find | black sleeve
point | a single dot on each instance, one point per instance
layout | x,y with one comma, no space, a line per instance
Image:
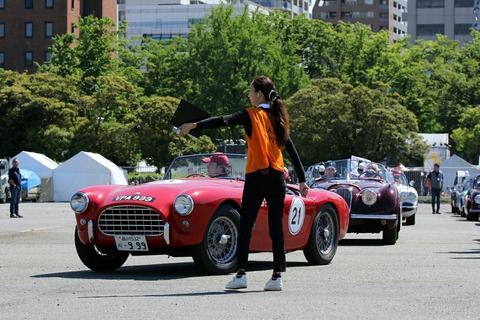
297,163
239,118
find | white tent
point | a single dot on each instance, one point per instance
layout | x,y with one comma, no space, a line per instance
453,164
43,166
83,170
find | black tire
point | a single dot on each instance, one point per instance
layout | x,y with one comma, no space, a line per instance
390,236
472,217
323,241
410,221
99,259
213,256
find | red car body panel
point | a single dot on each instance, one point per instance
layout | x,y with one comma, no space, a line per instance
208,194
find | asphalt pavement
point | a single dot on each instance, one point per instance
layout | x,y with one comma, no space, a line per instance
430,273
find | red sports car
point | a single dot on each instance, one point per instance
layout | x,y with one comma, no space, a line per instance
195,212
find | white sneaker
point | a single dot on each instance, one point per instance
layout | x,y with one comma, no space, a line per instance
274,285
237,283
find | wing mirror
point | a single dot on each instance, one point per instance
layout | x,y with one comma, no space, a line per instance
411,183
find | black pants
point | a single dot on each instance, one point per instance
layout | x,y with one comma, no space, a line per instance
436,198
271,187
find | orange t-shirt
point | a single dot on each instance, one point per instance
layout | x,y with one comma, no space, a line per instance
263,150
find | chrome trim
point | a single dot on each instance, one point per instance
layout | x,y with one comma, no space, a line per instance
373,216
91,236
130,220
166,233
346,194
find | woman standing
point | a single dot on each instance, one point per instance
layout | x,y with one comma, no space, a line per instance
266,128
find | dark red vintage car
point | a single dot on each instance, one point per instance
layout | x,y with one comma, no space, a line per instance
189,213
472,200
372,197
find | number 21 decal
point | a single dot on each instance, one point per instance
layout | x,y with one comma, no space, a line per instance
296,215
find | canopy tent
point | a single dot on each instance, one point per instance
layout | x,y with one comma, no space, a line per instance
83,170
43,167
453,164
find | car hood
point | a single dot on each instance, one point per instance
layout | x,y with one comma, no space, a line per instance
162,192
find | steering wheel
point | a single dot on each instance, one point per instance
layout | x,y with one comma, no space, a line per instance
196,175
373,175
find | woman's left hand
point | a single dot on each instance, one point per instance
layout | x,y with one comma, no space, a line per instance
304,189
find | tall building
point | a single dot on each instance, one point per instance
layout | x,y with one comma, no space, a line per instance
453,18
164,19
27,27
376,14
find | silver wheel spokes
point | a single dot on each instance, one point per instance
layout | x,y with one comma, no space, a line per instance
222,240
324,234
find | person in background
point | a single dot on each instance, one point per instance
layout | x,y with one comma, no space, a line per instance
15,181
218,165
435,178
267,131
330,170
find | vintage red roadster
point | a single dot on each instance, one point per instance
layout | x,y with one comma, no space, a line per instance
191,212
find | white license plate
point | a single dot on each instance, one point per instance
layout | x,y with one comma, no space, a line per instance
131,243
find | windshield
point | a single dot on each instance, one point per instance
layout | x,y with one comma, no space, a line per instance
213,165
348,169
400,178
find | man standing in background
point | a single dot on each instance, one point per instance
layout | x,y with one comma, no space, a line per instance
436,184
15,180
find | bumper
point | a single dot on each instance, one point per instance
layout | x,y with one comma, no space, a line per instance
371,223
408,211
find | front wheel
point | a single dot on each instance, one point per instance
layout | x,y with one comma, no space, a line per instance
217,252
323,241
410,221
99,259
390,236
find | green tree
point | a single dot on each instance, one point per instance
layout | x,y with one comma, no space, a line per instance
158,143
332,120
108,121
38,112
90,55
467,136
214,66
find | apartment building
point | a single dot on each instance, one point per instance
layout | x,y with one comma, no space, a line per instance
453,18
164,19
27,27
376,14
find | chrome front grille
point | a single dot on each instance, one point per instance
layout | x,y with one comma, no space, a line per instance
132,220
346,194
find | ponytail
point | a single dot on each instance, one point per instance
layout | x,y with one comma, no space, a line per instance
280,121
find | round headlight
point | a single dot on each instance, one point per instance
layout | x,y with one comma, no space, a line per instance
404,195
477,199
412,196
79,202
369,197
183,204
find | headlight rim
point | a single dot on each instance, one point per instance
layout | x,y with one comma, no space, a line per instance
477,199
86,202
182,197
373,197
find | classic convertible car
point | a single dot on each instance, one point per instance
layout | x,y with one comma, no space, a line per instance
472,206
368,188
408,197
195,212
